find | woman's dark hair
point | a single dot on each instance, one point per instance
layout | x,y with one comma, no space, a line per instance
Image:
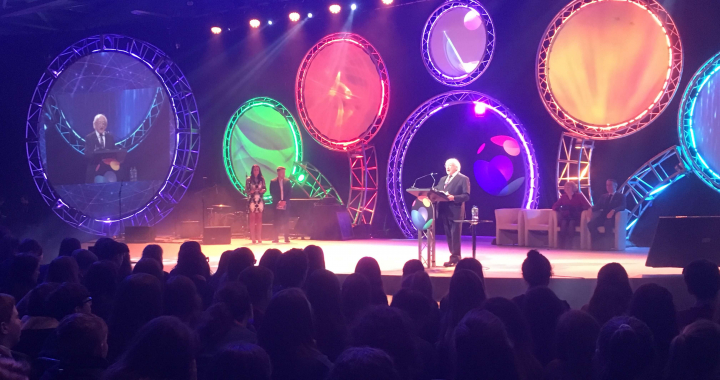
84,259
361,363
21,276
80,336
323,292
125,267
370,268
66,298
702,278
473,265
466,293
270,258
246,360
38,305
291,269
138,300
214,325
242,259
419,282
164,348
153,251
105,249
355,294
482,349
235,296
612,293
695,353
256,178
316,258
625,349
101,281
63,269
68,246
31,247
258,280
386,328
287,326
542,309
536,269
182,299
149,266
411,267
575,339
191,261
653,304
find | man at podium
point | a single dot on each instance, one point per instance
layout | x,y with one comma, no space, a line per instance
99,139
457,188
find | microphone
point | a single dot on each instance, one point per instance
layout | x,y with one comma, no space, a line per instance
421,177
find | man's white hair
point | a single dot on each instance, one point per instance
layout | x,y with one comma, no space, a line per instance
98,117
453,161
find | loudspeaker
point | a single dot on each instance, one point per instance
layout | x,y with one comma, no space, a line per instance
190,229
680,240
216,235
138,234
331,222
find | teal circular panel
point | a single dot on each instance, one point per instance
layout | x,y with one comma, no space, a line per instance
262,132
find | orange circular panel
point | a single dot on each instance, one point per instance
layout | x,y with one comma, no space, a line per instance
607,68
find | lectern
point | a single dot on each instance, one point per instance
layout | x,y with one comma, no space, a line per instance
426,236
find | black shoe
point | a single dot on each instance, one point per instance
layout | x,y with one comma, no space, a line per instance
453,261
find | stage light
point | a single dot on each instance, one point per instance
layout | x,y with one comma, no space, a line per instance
480,108
216,30
335,9
294,16
309,15
353,6
301,177
387,2
269,22
254,23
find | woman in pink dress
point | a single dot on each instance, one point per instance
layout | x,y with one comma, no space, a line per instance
569,209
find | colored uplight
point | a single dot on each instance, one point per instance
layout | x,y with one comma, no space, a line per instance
301,178
334,9
254,23
294,16
480,108
387,2
353,6
216,30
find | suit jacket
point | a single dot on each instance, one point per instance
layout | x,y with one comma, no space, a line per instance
92,143
609,202
275,191
460,188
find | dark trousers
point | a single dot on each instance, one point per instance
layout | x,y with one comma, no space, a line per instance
452,233
599,240
567,230
281,223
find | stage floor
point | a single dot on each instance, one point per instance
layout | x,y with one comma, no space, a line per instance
575,271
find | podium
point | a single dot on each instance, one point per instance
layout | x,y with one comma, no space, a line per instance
103,160
426,237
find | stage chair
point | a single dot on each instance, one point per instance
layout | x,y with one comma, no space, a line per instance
508,223
620,235
540,223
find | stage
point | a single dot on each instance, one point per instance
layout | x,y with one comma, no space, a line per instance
575,271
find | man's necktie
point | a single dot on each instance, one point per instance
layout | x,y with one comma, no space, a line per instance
102,141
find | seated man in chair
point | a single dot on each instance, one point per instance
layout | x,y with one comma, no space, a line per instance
604,213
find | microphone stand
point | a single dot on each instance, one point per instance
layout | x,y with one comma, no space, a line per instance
421,177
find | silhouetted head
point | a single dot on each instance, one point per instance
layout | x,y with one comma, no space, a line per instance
369,267
612,293
695,353
258,280
466,293
387,329
270,258
68,246
38,303
191,261
482,348
84,259
415,305
10,325
702,278
63,269
323,292
155,252
149,266
287,325
361,363
512,317
472,265
237,299
69,298
181,299
108,249
575,338
411,267
542,309
536,269
625,349
316,258
355,295
242,259
81,336
653,304
101,279
31,247
291,269
138,299
419,282
247,359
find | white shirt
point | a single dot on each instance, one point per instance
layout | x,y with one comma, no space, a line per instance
101,139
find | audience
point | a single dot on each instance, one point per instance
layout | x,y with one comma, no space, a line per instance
286,334
58,328
369,267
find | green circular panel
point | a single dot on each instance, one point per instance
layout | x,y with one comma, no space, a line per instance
261,132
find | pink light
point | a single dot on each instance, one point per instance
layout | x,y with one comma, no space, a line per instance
480,108
334,9
294,16
216,30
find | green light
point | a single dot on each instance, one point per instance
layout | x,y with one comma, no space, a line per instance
258,134
301,177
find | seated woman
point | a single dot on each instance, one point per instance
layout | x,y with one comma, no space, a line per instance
569,209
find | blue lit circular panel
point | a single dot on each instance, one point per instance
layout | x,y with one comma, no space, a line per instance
112,134
495,152
458,42
699,125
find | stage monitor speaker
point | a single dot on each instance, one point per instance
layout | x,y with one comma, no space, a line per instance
216,235
139,234
331,222
190,229
679,240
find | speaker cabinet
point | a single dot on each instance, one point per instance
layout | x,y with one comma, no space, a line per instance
680,240
216,235
139,234
331,222
190,229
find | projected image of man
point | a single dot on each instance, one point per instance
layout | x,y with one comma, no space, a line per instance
457,188
99,139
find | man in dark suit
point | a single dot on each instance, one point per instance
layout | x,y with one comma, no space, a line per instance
280,190
100,139
604,212
457,188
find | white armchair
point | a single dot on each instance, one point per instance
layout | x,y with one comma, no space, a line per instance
509,222
538,224
619,237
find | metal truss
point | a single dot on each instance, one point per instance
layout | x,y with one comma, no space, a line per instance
374,127
187,133
650,180
239,183
573,163
489,44
131,142
426,245
363,185
313,183
412,124
609,132
686,129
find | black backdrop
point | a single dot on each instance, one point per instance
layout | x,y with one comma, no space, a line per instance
226,70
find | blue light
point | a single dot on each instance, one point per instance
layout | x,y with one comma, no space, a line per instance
353,6
309,15
630,225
